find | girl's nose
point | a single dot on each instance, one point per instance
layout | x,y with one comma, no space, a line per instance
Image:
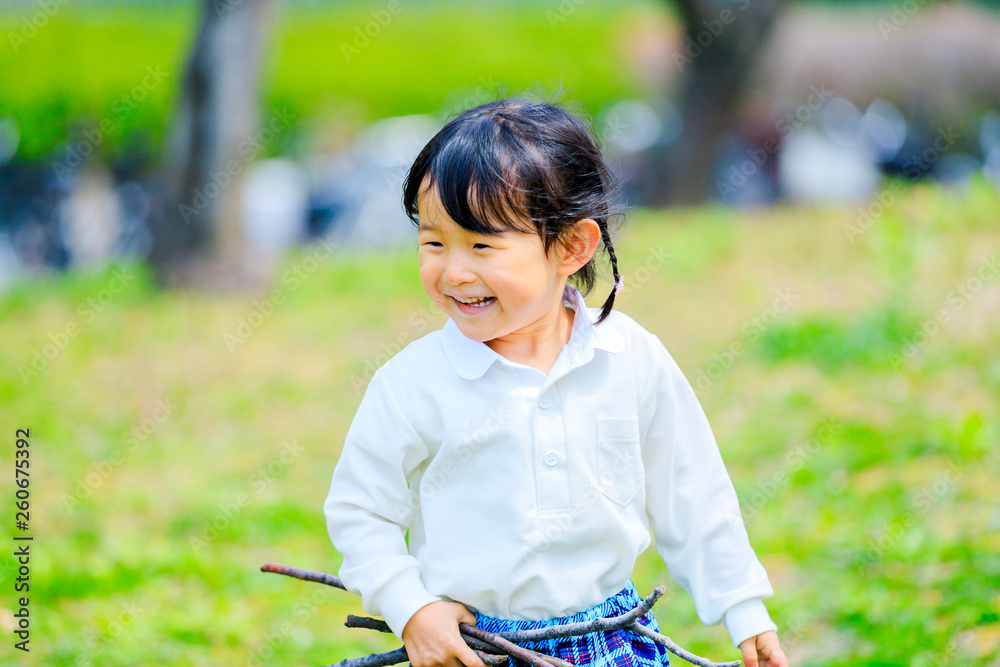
457,271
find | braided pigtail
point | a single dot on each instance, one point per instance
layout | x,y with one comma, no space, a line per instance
610,301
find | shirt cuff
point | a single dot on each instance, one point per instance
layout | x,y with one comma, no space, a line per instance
400,598
748,619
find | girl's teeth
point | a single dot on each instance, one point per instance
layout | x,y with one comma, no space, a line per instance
479,302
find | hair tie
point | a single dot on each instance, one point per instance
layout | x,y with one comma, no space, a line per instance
620,284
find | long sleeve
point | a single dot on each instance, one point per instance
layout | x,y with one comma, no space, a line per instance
692,506
369,508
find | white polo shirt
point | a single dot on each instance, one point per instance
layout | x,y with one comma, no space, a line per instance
530,496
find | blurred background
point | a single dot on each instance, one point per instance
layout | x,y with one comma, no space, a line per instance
203,260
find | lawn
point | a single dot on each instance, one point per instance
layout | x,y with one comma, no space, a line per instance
849,371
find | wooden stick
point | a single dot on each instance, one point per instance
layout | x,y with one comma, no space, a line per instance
375,659
491,658
306,575
511,648
503,640
399,655
585,627
486,647
367,622
551,659
570,629
480,645
677,650
474,642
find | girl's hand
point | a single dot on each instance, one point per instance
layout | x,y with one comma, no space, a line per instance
432,638
762,651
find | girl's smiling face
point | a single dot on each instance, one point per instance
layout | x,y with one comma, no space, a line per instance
522,286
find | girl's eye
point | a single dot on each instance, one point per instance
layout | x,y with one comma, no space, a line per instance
437,244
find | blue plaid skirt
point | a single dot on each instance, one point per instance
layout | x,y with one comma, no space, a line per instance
608,648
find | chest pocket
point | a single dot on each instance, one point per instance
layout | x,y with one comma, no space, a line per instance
619,458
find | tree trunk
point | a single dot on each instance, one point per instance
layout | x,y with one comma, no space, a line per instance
722,40
198,236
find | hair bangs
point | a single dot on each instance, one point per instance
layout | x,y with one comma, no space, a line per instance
476,181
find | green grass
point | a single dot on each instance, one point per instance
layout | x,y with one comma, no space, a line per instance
869,491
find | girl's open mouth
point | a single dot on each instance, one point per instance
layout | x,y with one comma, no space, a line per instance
475,308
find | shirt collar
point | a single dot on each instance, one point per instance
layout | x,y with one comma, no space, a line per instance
471,358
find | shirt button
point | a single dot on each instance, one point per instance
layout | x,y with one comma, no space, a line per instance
551,458
545,401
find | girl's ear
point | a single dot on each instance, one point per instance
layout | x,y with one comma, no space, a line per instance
580,244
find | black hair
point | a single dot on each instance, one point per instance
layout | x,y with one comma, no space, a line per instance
505,162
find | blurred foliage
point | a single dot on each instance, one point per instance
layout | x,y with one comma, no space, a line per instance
170,460
83,64
89,63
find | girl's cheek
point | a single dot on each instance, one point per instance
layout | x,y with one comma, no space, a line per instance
426,279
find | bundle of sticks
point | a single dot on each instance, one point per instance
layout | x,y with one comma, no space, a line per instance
494,648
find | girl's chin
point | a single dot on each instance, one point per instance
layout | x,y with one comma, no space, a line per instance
474,332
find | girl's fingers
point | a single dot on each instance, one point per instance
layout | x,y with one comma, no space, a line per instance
772,650
467,616
472,660
469,657
778,658
749,655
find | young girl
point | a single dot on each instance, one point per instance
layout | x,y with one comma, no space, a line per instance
507,470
